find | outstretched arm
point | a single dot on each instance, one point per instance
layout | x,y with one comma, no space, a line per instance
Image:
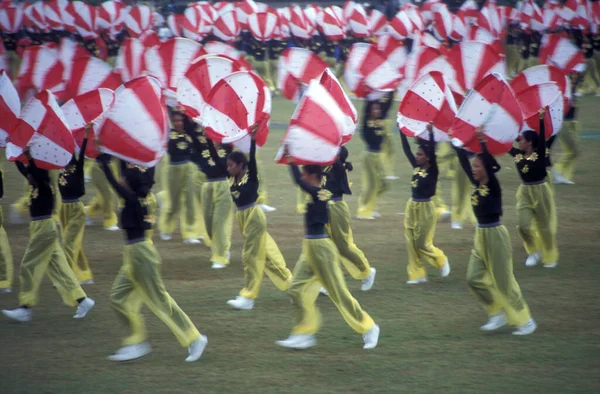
252,169
122,191
541,147
407,151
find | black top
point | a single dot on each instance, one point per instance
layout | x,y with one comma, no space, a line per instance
1,184
71,182
525,40
335,179
485,199
41,197
134,215
372,133
533,168
571,113
257,49
276,47
424,180
179,147
316,216
213,165
534,44
245,192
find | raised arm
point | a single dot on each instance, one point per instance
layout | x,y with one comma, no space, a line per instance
465,163
407,151
81,159
487,159
312,190
219,162
252,170
541,147
431,148
22,168
122,191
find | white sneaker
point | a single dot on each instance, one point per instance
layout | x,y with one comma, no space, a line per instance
89,221
243,303
532,260
456,226
5,291
494,323
445,215
112,228
526,329
15,216
553,265
166,236
324,291
87,178
87,282
196,348
376,215
84,308
445,270
22,315
192,241
371,338
367,284
365,218
267,208
392,178
559,178
218,266
131,352
416,281
298,341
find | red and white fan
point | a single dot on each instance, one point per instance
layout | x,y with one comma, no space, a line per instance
558,51
87,108
195,86
169,61
401,26
89,74
226,27
333,86
234,106
297,67
540,74
111,17
135,129
544,95
58,16
429,99
43,128
175,23
472,61
394,51
84,20
243,10
10,107
314,135
4,60
40,69
492,105
131,61
378,23
68,51
357,19
138,20
263,25
226,50
330,25
368,70
300,26
11,18
194,23
442,24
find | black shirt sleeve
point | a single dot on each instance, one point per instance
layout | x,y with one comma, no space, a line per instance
407,150
252,170
312,190
122,191
463,159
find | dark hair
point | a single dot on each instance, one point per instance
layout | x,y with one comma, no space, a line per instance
344,158
314,169
137,182
238,158
531,136
427,147
495,165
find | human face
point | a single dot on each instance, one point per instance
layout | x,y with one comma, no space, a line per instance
478,170
375,111
524,145
311,179
177,121
234,169
421,158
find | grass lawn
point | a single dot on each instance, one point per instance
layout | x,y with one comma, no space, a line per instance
430,341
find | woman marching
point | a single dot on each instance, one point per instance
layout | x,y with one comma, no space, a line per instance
71,184
6,259
535,200
43,252
420,215
260,252
490,273
335,179
139,280
319,266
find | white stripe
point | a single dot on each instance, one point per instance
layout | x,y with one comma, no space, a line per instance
185,51
501,126
73,115
536,75
43,148
33,113
563,53
304,145
96,72
472,54
155,67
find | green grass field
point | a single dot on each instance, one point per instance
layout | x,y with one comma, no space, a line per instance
430,341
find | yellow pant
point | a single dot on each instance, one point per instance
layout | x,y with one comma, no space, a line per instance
263,68
260,254
44,253
591,79
199,227
262,185
72,221
438,200
180,190
150,203
512,59
387,148
104,202
373,183
461,198
569,139
537,227
526,63
22,203
490,275
139,282
218,206
419,229
340,233
446,159
319,267
6,259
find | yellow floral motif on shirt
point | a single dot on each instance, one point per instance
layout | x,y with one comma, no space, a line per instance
474,200
525,169
518,158
211,162
34,193
414,183
202,140
182,145
420,172
206,154
236,194
533,157
242,181
136,167
222,153
324,195
174,135
149,219
483,190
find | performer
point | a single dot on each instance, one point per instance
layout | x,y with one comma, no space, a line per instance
104,202
569,139
71,185
372,176
319,266
420,215
179,176
216,198
139,279
490,273
6,259
260,252
461,200
44,253
535,200
335,179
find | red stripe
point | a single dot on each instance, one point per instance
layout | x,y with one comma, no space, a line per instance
145,92
315,119
77,72
225,99
416,107
119,141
